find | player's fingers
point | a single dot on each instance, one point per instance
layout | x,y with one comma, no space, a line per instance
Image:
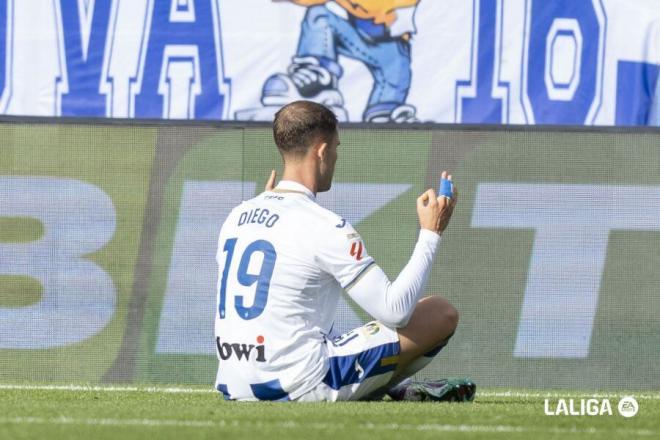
454,197
427,199
433,199
421,200
270,184
443,204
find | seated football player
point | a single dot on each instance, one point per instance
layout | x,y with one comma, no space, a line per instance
283,263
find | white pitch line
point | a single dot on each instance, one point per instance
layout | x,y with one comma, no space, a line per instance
108,422
108,388
184,390
567,395
504,429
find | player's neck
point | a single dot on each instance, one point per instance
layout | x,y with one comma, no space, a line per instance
302,176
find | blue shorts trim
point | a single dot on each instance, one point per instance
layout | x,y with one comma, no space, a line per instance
271,390
223,389
354,368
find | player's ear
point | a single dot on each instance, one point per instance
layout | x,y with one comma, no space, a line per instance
321,150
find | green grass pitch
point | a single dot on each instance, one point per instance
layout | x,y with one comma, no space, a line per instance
70,412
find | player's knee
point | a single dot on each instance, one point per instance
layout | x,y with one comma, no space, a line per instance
446,315
451,316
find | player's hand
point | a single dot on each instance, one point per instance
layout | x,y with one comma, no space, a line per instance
270,184
435,212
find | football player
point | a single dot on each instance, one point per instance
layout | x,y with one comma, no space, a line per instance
283,263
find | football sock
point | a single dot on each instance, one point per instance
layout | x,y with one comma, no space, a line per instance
419,363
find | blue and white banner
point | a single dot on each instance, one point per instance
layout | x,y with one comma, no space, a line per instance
577,62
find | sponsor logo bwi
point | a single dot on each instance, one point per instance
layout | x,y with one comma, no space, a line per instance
227,350
627,407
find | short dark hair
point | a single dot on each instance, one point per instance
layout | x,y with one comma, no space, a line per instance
299,124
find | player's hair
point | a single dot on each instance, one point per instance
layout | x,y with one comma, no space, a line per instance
298,125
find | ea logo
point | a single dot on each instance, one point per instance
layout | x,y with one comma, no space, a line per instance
628,406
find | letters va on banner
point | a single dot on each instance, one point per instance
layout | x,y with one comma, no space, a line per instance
577,62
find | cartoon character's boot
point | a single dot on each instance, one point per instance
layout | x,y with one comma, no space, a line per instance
306,79
401,114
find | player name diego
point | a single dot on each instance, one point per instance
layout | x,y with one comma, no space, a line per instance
259,216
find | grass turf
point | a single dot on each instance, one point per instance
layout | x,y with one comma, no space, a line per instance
132,413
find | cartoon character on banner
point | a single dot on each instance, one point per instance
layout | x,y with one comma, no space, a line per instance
374,32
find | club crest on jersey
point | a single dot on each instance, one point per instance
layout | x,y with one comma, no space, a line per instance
241,351
371,328
356,250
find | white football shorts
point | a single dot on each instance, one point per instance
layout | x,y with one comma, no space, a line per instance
362,361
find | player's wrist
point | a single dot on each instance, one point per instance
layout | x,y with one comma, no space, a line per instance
429,236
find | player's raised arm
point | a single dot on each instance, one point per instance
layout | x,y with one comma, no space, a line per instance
393,302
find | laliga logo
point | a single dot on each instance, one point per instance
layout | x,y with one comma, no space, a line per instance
627,407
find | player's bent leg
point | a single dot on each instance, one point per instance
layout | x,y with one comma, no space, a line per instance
431,326
360,362
366,362
432,323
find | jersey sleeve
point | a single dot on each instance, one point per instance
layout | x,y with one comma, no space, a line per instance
342,253
393,303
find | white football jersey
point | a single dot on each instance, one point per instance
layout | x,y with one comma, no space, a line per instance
283,262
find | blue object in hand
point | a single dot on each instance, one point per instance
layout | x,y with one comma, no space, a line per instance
446,188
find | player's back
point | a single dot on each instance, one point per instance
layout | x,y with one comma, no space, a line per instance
275,303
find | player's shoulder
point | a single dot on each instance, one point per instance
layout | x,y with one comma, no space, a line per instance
336,238
328,219
238,210
332,228
306,208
